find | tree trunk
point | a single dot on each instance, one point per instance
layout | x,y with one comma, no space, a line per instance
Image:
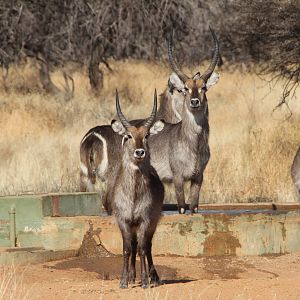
46,81
95,74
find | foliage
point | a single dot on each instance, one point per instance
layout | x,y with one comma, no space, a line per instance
85,32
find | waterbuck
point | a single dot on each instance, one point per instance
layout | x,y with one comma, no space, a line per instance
296,171
137,197
99,155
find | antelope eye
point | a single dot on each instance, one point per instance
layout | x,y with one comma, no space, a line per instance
147,135
183,91
128,136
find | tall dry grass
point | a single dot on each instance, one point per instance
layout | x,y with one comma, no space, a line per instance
252,149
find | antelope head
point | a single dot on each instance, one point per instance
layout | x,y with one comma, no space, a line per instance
193,89
135,138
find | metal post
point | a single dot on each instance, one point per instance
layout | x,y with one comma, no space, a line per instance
12,226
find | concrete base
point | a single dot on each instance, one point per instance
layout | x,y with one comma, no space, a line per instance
231,233
32,211
44,222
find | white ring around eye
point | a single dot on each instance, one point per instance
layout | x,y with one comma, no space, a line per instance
190,91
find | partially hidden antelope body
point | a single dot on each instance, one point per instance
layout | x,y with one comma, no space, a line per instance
137,196
296,171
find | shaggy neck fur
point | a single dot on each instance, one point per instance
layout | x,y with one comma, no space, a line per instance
194,123
195,129
136,176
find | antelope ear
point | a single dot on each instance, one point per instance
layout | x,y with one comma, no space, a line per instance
176,82
118,127
157,127
212,80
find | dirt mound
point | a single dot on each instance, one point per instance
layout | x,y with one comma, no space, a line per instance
91,245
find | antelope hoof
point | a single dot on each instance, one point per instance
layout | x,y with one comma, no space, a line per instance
123,284
145,285
181,210
154,279
194,210
145,282
131,278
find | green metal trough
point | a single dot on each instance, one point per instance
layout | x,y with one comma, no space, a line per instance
53,226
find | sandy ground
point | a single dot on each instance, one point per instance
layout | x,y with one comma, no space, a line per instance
267,277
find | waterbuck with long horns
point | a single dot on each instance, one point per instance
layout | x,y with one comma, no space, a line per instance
137,197
296,171
99,155
181,151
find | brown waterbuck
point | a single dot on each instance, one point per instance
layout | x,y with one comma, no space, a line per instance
296,171
181,152
99,155
137,197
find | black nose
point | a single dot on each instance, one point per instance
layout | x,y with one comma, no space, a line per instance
195,102
139,153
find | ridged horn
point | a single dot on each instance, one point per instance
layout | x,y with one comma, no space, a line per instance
151,119
122,118
205,76
172,61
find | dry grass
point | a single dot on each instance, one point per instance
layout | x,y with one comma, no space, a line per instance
252,149
11,284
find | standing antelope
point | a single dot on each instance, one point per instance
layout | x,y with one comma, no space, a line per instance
137,196
99,155
181,152
296,171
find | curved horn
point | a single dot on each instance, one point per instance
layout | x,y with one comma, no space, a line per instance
122,118
172,61
205,76
151,119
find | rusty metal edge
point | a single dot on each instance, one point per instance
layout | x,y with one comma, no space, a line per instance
55,206
240,206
